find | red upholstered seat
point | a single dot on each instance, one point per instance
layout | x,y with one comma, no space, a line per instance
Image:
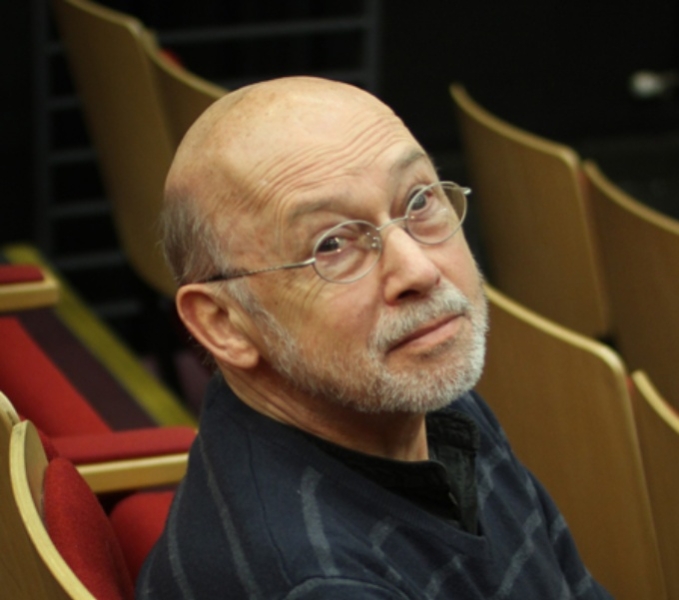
138,521
73,430
41,393
20,274
39,390
82,533
121,445
106,553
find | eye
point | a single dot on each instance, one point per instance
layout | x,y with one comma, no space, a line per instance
338,239
421,200
418,201
331,243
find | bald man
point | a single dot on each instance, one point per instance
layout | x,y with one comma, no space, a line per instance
341,454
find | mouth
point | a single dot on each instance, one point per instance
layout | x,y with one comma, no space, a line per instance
431,334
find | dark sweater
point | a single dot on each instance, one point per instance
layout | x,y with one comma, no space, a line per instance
266,513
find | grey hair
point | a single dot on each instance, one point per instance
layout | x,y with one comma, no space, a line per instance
190,242
194,249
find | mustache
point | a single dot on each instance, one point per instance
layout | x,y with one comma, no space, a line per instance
393,327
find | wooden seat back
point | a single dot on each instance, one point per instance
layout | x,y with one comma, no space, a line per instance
533,219
563,400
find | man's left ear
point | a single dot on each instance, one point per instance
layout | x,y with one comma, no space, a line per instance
216,321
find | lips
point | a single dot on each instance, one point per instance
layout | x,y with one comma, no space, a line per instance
431,333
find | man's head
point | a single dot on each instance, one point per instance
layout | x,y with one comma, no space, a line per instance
261,176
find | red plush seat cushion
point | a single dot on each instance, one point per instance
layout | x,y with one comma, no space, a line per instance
20,274
138,521
78,526
122,445
38,389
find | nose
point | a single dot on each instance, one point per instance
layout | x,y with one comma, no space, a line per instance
406,267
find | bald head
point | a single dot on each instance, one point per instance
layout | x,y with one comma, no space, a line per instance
255,142
250,126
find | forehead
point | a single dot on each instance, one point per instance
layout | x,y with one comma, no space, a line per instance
283,150
280,138
362,150
411,159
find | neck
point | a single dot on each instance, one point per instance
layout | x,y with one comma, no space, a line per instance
397,436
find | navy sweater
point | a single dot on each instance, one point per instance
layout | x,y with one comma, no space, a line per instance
265,513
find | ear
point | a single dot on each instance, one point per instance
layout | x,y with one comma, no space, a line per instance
216,321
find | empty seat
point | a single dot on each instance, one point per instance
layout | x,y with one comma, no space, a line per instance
640,251
563,400
534,222
658,426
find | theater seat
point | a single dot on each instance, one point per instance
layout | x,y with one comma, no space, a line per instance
41,393
138,521
25,286
63,545
82,534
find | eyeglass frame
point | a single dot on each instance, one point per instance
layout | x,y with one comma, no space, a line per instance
312,261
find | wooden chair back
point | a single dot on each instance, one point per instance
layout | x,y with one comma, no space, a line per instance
35,568
533,219
30,566
127,124
640,252
10,527
658,427
184,95
563,400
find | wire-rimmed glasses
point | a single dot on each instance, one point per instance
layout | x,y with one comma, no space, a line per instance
351,249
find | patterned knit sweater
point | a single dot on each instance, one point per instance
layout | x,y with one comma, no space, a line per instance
264,513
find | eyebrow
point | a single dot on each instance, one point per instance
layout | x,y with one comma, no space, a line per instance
415,155
401,165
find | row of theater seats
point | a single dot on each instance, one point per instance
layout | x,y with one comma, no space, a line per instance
59,455
138,103
59,543
573,262
83,496
601,439
564,240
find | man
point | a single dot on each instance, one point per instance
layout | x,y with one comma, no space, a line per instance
341,453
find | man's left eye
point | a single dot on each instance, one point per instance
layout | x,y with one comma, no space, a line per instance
418,201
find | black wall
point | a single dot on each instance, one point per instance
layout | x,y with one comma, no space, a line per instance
557,68
15,122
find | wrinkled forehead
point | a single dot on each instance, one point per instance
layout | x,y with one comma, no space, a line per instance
301,127
307,138
280,139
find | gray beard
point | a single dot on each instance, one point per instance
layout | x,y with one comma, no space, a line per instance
362,381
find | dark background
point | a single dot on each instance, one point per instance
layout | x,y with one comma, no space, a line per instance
556,68
559,69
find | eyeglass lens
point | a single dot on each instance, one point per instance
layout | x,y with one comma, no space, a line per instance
350,250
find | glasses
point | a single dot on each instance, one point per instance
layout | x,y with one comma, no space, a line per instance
351,249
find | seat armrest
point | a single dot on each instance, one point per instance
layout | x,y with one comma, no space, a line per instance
124,445
128,460
26,286
135,473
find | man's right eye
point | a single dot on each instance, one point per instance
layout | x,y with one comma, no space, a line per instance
333,243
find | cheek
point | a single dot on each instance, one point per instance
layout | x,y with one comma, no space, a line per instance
344,317
458,266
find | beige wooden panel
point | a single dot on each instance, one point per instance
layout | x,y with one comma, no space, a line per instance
33,568
127,124
534,220
658,425
564,403
640,251
184,95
